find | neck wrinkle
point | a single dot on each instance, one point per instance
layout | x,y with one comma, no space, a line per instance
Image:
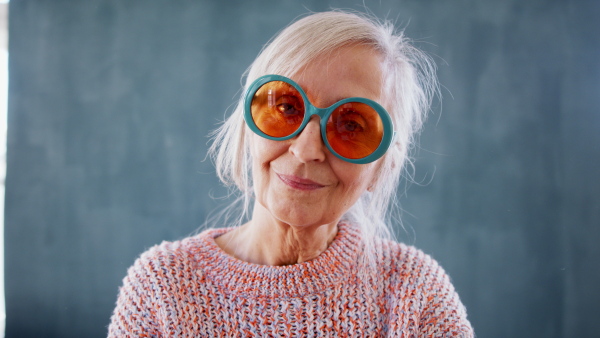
335,265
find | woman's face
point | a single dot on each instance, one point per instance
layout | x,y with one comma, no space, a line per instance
299,181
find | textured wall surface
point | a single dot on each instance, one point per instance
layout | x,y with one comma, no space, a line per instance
110,103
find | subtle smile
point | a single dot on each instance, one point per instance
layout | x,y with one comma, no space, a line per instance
299,183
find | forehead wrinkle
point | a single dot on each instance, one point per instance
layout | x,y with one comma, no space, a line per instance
371,95
366,91
357,82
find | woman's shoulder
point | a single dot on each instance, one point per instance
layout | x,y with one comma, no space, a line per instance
407,265
175,257
186,245
405,257
156,282
415,278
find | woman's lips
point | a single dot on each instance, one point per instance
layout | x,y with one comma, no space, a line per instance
299,183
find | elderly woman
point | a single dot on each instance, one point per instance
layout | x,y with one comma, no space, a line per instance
318,143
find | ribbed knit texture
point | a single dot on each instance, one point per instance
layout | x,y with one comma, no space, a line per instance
191,288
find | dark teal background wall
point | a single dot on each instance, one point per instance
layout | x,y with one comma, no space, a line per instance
110,103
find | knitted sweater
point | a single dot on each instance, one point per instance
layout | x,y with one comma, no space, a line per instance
191,288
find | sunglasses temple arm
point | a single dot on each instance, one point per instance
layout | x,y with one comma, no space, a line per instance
394,135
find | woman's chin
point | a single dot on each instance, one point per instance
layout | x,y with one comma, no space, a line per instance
281,213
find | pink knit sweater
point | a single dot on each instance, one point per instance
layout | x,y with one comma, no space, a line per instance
191,288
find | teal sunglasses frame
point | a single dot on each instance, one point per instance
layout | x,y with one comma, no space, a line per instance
323,113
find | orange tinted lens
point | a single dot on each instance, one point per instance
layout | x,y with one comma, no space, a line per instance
277,109
354,130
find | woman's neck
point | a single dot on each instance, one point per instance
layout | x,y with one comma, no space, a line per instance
267,241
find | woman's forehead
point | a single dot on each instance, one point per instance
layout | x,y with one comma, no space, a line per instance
353,71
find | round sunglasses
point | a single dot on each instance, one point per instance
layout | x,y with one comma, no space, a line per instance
356,129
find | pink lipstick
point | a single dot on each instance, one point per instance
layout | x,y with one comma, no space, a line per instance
299,183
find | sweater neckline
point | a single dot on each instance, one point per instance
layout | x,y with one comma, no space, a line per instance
335,264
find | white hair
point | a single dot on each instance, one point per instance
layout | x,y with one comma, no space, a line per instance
408,86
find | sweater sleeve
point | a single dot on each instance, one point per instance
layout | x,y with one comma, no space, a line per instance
137,305
443,314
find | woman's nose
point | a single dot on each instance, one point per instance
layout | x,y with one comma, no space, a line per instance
308,146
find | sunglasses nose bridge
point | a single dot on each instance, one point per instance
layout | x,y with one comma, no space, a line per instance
321,113
312,110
